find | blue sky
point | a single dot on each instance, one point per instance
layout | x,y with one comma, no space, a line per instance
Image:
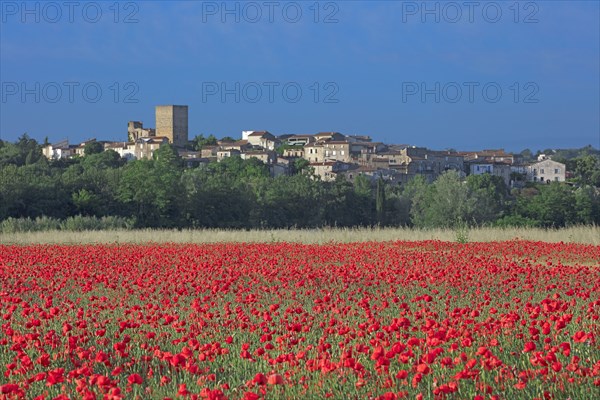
528,75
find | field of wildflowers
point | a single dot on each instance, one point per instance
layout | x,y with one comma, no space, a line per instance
388,320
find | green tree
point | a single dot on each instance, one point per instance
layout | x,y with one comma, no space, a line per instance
200,141
411,199
339,203
380,201
552,206
294,201
364,200
151,193
216,199
490,195
527,155
93,147
102,160
24,151
587,205
85,202
167,157
301,165
31,191
587,170
447,203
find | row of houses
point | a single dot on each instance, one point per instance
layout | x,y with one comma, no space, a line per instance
331,155
141,148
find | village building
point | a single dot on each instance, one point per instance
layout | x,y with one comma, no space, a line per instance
328,171
267,157
293,151
124,149
314,152
336,150
57,151
209,151
222,154
546,171
136,130
262,139
503,170
145,147
239,145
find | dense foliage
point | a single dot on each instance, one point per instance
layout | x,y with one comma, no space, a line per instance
504,320
238,193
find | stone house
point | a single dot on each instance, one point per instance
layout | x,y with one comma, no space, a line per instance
146,146
294,152
125,149
328,170
267,157
314,152
239,145
209,151
263,139
546,171
496,156
336,150
221,154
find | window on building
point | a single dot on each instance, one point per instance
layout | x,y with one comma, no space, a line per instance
556,178
342,152
334,152
556,171
541,170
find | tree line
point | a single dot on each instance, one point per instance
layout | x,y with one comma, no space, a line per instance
241,194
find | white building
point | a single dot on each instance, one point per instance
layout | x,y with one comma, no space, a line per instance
125,149
546,171
262,139
58,150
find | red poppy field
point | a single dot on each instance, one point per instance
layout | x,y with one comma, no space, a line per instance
388,320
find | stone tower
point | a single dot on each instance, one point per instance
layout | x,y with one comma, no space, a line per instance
172,122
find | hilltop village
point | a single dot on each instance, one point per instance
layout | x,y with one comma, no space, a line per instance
329,154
